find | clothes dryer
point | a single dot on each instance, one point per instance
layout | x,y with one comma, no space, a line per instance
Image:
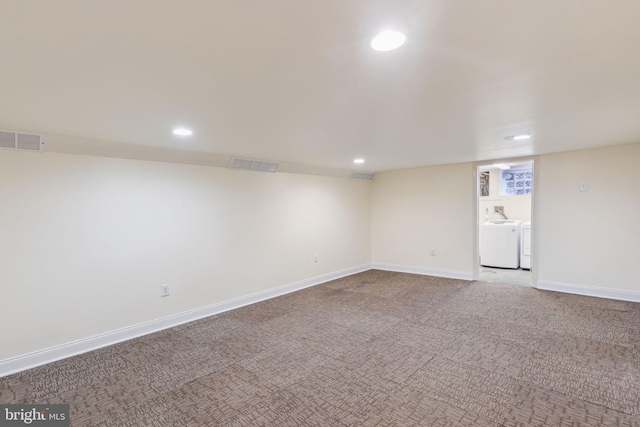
525,245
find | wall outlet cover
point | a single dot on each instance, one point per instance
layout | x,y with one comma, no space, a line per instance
164,290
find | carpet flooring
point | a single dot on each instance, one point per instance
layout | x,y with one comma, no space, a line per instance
373,349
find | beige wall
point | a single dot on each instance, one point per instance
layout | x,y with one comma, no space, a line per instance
416,210
590,238
85,242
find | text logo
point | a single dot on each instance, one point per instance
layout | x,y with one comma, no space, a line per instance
34,415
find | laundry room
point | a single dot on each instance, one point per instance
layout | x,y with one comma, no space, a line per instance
504,221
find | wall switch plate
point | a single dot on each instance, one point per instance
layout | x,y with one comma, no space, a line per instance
164,290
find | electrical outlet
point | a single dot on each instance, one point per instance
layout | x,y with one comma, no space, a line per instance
498,209
164,290
433,252
315,258
584,186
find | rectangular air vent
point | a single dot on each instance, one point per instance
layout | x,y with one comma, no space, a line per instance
21,141
252,165
362,175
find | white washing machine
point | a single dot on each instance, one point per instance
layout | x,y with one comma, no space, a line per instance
500,244
525,245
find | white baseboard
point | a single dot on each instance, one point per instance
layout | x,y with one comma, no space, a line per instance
63,351
451,274
592,291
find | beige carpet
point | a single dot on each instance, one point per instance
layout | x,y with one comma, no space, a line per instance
373,349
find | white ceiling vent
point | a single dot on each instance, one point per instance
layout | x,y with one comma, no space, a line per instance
252,165
362,175
21,141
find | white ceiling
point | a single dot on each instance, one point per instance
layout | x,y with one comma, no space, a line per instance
296,81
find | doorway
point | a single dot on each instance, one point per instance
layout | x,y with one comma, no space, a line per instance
503,221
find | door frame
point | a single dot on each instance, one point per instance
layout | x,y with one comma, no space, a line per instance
534,215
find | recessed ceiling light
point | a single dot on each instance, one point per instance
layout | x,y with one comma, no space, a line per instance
358,161
517,137
502,166
182,132
388,40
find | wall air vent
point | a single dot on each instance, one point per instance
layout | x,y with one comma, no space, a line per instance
362,175
252,165
21,141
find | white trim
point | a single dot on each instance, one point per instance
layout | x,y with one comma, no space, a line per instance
463,275
63,351
592,291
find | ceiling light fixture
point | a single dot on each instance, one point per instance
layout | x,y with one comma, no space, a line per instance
358,161
388,40
182,132
517,137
